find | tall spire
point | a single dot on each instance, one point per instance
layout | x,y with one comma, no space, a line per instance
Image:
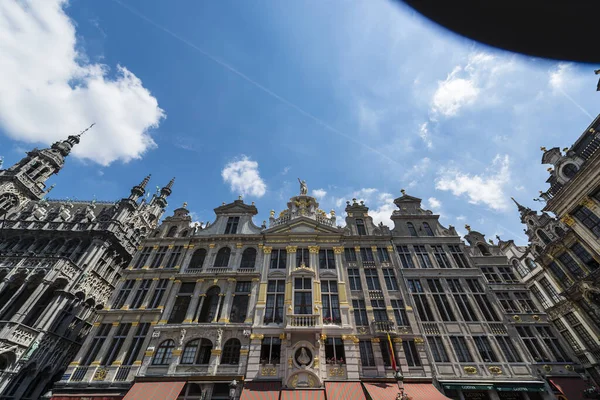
166,191
139,190
66,146
519,207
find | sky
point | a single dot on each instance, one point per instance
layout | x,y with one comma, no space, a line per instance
360,98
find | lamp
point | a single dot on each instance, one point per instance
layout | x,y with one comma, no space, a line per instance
400,381
232,389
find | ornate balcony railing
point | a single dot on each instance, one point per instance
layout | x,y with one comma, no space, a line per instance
383,326
79,374
304,320
246,270
376,294
218,270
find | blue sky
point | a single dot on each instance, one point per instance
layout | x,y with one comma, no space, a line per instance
359,98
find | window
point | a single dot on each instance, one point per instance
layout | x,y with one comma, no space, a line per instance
96,344
540,297
491,275
550,290
330,302
559,275
390,279
136,345
275,295
525,302
231,352
334,351
197,259
423,257
507,303
172,231
383,254
360,313
508,349
350,254
354,277
411,229
248,258
278,259
462,300
159,292
440,256
485,350
523,271
326,259
584,256
482,301
222,259
372,279
438,350
270,350
302,256
210,311
191,355
239,307
232,225
367,359
140,293
182,303
507,275
569,170
384,346
589,219
379,311
423,309
360,227
204,352
366,254
164,353
458,256
159,257
581,330
571,264
302,296
460,348
174,257
427,229
405,257
562,328
400,312
123,294
144,254
410,351
552,343
116,344
530,264
441,300
542,235
532,343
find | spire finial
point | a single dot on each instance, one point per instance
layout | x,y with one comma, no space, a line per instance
170,184
519,206
468,227
542,148
403,192
86,129
145,181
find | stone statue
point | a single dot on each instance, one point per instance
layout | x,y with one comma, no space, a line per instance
31,350
303,358
181,337
303,188
219,337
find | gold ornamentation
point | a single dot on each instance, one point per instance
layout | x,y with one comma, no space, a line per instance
316,362
100,374
547,368
390,249
336,371
569,367
176,352
357,249
258,336
516,317
568,220
419,340
323,337
170,246
294,380
290,362
291,249
272,214
375,340
313,249
495,370
216,352
211,246
268,371
267,249
338,249
468,227
374,248
397,340
350,214
536,317
312,382
239,245
589,203
244,352
470,370
282,336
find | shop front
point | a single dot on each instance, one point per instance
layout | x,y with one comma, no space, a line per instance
494,391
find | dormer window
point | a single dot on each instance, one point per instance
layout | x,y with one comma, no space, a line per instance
232,225
569,170
360,227
428,229
542,235
172,231
411,229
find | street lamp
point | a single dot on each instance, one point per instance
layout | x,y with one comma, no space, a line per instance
400,380
232,389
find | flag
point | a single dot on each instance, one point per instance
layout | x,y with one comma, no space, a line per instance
392,355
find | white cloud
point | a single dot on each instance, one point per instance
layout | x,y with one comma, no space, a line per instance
425,136
558,77
48,88
319,193
454,93
381,204
434,203
485,188
244,178
461,218
418,170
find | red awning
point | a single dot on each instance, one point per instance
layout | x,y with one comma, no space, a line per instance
154,391
572,388
261,391
80,397
302,394
416,391
344,391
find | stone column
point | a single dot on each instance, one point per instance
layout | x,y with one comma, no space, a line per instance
216,318
186,256
199,308
378,356
227,303
209,261
236,257
352,354
314,264
170,301
191,311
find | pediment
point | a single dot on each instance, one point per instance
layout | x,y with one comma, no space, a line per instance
303,225
407,199
237,207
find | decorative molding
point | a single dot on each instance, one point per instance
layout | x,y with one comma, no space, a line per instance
239,245
375,340
390,249
338,249
268,371
589,203
313,249
470,370
419,340
495,370
212,245
568,220
536,317
216,352
267,249
100,374
257,336
336,372
547,368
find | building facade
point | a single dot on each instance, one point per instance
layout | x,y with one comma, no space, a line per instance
304,307
59,263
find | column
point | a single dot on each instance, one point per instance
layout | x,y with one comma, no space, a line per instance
216,319
209,262
53,310
199,309
236,256
30,302
186,256
252,301
378,356
314,264
343,290
86,345
228,301
170,302
191,311
352,354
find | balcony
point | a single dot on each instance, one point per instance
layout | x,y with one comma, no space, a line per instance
383,327
376,294
17,333
247,271
218,270
304,320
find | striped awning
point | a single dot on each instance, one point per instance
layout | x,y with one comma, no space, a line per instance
415,391
571,388
302,394
261,391
154,391
344,391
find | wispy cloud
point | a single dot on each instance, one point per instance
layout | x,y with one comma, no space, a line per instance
243,177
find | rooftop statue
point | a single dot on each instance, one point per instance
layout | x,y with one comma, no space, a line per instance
303,188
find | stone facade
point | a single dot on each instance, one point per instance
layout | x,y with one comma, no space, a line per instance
59,263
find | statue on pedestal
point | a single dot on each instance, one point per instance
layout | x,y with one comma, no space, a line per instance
303,187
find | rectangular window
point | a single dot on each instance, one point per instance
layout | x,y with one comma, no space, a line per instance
589,219
275,296
462,300
116,344
559,275
540,297
581,331
136,344
491,275
360,313
330,302
379,311
410,351
159,257
270,350
440,256
438,350
508,349
508,275
350,254
182,303
423,257
525,302
326,259
532,344
552,343
460,348
485,350
441,300
482,301
584,256
562,328
384,347
141,293
143,257
232,225
383,254
278,259
334,351
302,257
571,265
509,305
239,307
96,344
423,308
367,359
366,254
458,256
400,312
303,296
354,278
550,290
405,257
158,294
372,279
360,227
123,294
174,257
390,279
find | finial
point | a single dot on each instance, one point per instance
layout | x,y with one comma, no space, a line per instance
86,129
403,192
541,192
332,212
252,203
1,161
170,184
491,241
592,130
185,204
50,188
362,202
347,202
542,148
240,197
519,207
272,214
468,227
549,169
223,204
145,181
566,149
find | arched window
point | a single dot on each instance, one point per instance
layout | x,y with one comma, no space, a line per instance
231,352
8,201
209,308
197,351
538,249
542,235
521,269
184,233
360,227
39,245
25,244
172,231
569,170
560,232
55,246
483,249
248,258
531,264
428,229
411,229
164,353
197,259
222,259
